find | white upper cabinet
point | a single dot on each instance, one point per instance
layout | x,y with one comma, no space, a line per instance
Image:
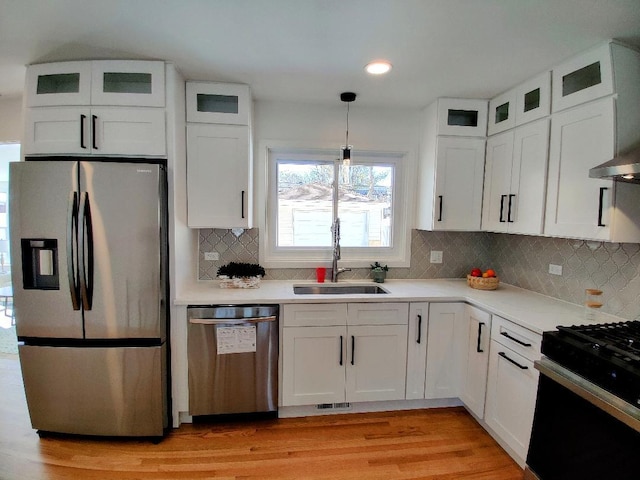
100,107
525,103
64,83
583,78
502,113
127,83
219,155
461,117
583,207
98,82
533,99
515,180
224,103
219,181
128,131
451,171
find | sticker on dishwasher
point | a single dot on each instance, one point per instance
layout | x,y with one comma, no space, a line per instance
236,339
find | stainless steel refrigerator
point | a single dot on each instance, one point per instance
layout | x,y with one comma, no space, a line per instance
89,271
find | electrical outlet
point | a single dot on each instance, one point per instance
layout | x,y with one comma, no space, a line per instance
555,269
211,256
436,256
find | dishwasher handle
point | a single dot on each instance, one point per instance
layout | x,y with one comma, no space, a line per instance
231,321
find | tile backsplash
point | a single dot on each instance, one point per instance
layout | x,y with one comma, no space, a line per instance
519,260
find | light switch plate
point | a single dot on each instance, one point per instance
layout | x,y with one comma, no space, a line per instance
436,256
211,256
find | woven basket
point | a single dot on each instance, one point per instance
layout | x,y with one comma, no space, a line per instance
481,283
239,282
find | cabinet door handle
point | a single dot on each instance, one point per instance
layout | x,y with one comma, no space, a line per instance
600,205
82,119
440,209
504,355
341,350
505,334
509,219
502,197
94,119
478,349
353,350
419,328
242,205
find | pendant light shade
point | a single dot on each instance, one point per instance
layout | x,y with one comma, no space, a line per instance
347,97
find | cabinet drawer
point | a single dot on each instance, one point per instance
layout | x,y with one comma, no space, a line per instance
314,315
519,339
378,314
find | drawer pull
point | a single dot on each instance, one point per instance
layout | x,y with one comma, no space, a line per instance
504,355
520,342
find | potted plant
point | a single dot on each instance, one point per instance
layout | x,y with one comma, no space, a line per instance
240,275
379,272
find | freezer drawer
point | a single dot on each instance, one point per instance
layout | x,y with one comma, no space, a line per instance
112,391
233,363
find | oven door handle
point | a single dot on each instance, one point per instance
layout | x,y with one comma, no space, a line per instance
600,398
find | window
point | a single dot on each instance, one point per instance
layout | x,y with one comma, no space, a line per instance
303,204
9,152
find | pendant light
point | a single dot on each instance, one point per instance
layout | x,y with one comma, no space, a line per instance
347,97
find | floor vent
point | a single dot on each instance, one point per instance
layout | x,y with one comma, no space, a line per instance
333,406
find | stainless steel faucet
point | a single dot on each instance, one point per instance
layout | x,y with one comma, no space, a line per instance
335,271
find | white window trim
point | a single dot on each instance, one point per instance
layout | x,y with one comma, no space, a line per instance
305,257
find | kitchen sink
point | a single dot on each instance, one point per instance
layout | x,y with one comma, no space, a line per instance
338,289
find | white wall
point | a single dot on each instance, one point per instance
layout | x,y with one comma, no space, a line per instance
11,119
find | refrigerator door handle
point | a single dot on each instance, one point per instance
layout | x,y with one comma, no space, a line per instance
85,254
72,229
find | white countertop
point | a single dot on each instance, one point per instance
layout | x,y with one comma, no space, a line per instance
531,310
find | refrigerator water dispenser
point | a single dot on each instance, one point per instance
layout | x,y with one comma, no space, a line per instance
40,264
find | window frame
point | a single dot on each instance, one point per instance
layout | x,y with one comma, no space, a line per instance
398,255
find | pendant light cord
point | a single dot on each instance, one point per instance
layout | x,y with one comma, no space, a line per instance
347,136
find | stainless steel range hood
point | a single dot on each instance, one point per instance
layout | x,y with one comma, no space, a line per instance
624,168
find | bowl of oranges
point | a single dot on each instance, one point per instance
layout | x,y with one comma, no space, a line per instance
487,280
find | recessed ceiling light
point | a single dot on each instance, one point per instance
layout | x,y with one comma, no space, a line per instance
378,67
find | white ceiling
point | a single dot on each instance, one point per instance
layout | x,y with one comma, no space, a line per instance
311,50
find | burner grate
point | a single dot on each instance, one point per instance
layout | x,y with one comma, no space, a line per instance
621,339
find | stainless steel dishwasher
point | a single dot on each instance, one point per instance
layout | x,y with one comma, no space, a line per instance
233,359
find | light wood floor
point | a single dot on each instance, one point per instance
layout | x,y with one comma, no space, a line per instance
442,444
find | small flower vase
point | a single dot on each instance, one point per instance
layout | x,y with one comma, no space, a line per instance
378,275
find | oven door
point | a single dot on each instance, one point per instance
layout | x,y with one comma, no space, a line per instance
581,431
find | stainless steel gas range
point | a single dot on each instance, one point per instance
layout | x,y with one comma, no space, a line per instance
587,420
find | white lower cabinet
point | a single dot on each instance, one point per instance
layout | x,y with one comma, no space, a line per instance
362,357
417,349
447,326
512,385
475,361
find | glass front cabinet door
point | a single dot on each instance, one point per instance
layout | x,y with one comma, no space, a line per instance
64,83
533,99
502,112
99,82
223,103
462,117
583,78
